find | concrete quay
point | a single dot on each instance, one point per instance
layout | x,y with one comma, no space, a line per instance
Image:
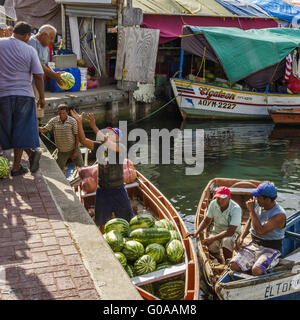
50,248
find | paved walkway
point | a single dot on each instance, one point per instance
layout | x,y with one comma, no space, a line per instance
38,258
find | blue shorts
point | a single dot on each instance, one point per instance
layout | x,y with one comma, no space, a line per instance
109,201
18,123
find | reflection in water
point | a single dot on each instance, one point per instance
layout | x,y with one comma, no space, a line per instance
232,150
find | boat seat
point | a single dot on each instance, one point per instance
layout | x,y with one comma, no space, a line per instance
238,190
292,235
155,276
127,186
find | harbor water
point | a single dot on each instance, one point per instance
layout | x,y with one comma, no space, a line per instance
256,151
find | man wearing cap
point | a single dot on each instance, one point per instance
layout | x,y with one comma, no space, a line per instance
267,226
111,195
227,216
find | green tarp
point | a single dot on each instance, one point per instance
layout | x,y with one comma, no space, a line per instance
244,52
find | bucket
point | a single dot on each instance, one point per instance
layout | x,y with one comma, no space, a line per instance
83,75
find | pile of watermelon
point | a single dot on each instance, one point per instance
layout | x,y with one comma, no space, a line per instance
145,245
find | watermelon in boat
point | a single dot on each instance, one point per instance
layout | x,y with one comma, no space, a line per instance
152,268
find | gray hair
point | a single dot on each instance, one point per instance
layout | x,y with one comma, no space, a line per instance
47,28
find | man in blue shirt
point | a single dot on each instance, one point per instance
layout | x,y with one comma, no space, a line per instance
41,42
267,226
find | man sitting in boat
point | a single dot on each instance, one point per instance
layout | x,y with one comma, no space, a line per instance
267,226
111,195
227,216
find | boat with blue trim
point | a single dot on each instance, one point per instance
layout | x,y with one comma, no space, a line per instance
218,281
252,61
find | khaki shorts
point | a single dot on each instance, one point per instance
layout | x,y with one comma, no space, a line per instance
228,243
39,112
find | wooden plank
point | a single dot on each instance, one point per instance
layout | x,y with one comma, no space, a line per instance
136,56
132,17
159,275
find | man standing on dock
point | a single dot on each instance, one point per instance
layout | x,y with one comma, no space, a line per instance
18,129
227,217
66,137
41,42
111,195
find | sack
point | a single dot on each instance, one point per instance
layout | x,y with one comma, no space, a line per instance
129,171
88,176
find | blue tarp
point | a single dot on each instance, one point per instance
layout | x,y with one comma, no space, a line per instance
243,9
278,9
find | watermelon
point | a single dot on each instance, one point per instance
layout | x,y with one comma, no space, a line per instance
145,264
159,224
175,251
171,290
115,240
150,235
143,220
129,269
163,265
68,80
4,167
133,250
174,235
167,224
118,224
122,259
156,251
149,288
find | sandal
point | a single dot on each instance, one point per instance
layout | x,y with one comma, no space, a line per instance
19,172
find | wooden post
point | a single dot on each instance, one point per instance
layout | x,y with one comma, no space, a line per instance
132,105
114,112
147,109
63,23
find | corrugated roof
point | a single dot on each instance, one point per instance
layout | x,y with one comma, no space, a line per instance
193,7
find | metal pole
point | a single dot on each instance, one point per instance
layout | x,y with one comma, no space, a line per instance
181,63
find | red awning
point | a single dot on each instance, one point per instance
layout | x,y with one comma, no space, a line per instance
171,26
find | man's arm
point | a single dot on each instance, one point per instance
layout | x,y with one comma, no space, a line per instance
203,225
93,123
88,143
224,234
75,153
82,138
43,129
49,73
277,221
39,83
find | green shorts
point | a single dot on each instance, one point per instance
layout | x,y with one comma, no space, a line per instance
63,157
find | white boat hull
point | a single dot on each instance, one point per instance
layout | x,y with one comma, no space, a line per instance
201,100
286,287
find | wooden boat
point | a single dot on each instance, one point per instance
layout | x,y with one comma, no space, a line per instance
199,100
240,193
156,203
217,98
229,285
280,283
285,116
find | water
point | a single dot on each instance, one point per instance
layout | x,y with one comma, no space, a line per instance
258,151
